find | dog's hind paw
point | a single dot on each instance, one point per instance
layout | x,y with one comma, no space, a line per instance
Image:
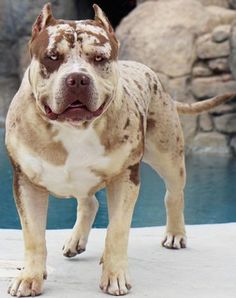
173,241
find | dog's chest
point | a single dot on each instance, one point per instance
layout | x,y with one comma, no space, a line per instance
85,157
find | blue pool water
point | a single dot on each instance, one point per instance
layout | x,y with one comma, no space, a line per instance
210,196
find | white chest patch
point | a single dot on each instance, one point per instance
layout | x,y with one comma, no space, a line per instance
76,177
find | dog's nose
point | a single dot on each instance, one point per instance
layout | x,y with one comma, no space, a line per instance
77,80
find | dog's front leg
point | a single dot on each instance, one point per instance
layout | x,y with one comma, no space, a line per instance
32,203
122,194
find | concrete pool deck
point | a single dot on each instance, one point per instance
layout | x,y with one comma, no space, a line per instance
207,268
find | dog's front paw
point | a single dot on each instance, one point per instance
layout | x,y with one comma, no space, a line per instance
174,241
26,284
115,282
74,246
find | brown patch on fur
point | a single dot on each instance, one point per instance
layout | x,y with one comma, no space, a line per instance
134,174
37,128
163,145
126,90
111,37
102,39
141,128
151,123
127,123
147,75
138,85
38,46
165,104
155,88
16,186
69,37
49,150
111,136
137,152
52,65
181,172
181,151
38,49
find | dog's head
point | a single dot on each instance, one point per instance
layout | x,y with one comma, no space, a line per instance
73,70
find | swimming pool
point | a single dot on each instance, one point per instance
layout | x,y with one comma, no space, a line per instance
210,196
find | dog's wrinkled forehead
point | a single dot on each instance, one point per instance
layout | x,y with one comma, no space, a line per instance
86,35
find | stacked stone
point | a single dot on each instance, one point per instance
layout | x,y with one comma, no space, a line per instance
211,76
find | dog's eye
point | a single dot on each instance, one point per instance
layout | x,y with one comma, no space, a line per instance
53,57
99,58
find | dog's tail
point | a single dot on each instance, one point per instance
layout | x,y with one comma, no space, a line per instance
203,106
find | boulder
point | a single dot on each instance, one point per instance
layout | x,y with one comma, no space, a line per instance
162,34
223,109
232,4
212,143
219,65
226,123
164,79
220,15
201,69
205,122
232,57
208,87
207,49
178,89
221,33
222,3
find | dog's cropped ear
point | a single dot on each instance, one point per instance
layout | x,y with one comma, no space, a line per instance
102,19
43,20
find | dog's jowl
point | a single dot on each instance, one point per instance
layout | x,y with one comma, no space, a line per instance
83,120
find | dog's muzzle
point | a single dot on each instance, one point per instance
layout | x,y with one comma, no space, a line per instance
76,104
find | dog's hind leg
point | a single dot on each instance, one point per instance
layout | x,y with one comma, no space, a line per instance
32,203
86,212
173,174
164,152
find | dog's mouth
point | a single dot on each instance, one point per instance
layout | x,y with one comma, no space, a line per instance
76,111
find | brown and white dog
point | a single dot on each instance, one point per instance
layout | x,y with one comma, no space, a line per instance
80,121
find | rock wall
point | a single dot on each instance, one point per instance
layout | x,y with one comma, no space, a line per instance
192,47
